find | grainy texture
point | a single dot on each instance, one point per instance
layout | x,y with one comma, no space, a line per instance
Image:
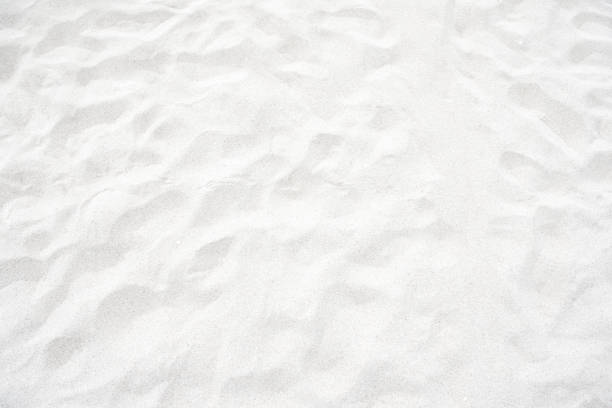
290,203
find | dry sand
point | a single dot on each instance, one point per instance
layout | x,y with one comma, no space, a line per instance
306,203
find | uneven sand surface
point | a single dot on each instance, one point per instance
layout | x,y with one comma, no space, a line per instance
290,203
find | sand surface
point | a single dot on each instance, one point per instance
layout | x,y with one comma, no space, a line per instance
306,203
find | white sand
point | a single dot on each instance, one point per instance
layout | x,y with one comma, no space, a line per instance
306,203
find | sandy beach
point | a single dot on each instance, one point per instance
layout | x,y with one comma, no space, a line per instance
284,203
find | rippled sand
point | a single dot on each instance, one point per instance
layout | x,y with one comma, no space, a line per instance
289,203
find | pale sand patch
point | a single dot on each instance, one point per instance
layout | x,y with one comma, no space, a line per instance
283,203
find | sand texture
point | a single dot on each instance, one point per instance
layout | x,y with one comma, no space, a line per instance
305,203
